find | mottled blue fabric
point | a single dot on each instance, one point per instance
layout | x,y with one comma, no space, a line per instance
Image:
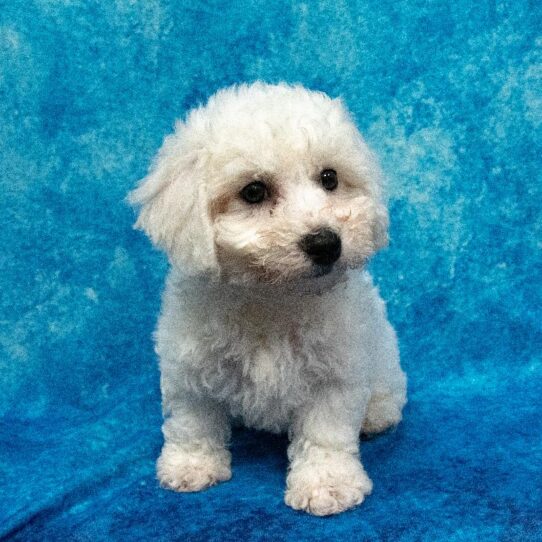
449,95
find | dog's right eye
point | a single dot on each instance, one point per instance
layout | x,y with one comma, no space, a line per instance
255,192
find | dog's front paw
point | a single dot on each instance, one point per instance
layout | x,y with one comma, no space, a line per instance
327,487
183,470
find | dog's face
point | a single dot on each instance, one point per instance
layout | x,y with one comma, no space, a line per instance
265,184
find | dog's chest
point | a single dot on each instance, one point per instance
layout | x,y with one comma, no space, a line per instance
269,365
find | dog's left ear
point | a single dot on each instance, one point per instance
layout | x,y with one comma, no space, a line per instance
380,226
366,164
373,173
174,209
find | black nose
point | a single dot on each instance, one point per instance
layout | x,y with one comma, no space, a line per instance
323,246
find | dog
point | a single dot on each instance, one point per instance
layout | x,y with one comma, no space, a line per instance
268,204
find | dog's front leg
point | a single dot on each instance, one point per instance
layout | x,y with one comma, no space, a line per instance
326,475
194,455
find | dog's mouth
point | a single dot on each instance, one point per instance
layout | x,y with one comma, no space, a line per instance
319,270
315,272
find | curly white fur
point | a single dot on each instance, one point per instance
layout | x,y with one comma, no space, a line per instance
250,329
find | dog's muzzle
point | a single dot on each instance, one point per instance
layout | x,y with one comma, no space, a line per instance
322,246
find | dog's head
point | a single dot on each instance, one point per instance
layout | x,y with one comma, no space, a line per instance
265,183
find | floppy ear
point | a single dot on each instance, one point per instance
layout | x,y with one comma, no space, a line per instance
376,188
174,208
380,226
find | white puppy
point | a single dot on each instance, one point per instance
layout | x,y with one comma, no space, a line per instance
264,199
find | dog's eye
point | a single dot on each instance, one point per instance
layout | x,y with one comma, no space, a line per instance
255,192
329,180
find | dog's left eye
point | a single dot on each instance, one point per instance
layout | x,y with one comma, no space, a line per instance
329,180
255,192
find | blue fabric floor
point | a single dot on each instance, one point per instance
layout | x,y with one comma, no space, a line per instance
450,96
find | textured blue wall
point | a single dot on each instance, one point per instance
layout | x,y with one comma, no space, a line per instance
448,93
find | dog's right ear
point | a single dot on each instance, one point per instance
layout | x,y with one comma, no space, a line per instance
173,209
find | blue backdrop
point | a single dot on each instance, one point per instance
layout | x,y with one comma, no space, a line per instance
449,95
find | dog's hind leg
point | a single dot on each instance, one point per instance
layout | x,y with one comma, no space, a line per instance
388,381
383,412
